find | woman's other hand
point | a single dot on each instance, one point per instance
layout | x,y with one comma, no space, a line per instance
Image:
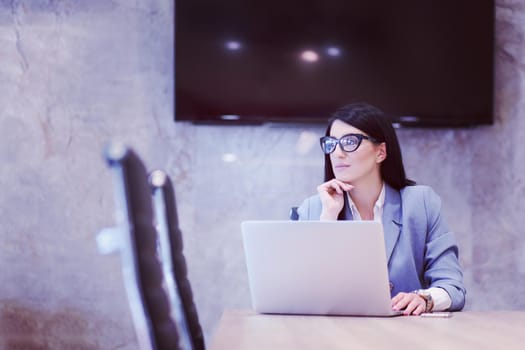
410,303
332,198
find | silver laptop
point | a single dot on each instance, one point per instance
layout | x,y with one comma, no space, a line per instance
317,267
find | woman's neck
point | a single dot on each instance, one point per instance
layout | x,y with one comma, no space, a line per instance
365,196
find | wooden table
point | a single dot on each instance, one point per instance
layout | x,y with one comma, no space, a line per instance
500,330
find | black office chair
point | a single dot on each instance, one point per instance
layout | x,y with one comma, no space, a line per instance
173,261
136,239
294,215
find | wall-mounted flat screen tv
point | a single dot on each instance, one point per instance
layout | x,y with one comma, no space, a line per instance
423,62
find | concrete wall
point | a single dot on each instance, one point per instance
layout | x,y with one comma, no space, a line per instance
75,74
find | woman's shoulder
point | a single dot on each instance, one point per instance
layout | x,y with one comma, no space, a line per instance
420,193
310,208
418,190
313,200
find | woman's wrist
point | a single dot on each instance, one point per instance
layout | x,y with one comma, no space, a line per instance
327,216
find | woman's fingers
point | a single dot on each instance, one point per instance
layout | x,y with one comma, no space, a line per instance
410,303
334,186
331,194
415,307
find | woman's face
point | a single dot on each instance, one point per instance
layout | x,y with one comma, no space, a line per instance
361,164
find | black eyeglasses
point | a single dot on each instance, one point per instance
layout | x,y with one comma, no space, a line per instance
348,142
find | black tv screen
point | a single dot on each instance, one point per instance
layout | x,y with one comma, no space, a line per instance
423,62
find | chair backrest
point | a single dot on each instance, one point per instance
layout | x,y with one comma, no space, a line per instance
174,262
294,215
136,239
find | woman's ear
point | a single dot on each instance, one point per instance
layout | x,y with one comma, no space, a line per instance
381,152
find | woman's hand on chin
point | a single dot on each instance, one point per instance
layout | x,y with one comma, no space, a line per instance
332,198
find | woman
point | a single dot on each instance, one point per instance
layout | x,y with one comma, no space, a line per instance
365,180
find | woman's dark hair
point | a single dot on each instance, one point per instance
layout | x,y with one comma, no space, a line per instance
373,122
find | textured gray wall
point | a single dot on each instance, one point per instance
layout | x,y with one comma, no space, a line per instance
75,74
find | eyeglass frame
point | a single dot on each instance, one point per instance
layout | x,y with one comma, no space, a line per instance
360,138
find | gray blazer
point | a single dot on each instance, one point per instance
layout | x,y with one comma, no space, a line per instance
421,251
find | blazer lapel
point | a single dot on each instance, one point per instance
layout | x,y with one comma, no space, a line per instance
391,219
